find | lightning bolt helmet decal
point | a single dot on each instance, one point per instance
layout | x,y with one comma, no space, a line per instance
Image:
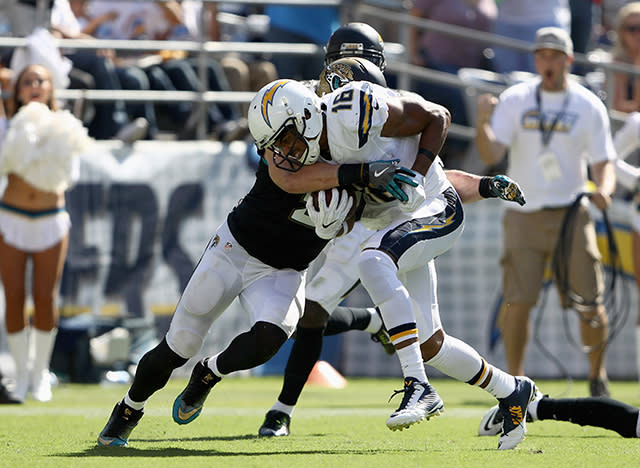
267,99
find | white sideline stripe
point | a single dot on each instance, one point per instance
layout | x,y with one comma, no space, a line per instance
25,410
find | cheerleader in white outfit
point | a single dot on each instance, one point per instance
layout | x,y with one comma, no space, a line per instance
39,156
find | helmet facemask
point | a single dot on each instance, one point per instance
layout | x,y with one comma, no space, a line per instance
291,150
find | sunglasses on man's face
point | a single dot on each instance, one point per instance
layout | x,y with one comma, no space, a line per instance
632,29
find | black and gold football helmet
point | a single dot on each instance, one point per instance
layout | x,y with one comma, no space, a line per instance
342,71
356,40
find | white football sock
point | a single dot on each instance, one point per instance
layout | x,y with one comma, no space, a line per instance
460,361
212,364
375,323
409,356
279,406
136,405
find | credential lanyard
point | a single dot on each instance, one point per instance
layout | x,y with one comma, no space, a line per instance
547,132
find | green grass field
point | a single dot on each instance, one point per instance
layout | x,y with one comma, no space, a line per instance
330,428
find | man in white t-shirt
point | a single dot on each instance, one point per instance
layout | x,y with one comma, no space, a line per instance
553,128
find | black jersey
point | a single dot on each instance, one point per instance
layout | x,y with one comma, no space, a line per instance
273,225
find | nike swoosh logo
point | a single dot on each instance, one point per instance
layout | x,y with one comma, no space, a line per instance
379,173
489,424
184,415
103,441
330,224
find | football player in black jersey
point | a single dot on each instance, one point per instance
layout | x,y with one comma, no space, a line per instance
258,255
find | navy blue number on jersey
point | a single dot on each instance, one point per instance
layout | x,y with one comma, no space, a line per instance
344,101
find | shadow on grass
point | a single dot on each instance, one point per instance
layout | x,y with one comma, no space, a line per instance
164,452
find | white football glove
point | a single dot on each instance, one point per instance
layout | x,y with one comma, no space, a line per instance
329,219
415,194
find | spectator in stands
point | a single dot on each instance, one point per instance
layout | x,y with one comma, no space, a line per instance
626,89
448,54
110,119
128,24
609,10
301,25
39,155
27,15
244,71
520,19
168,70
182,23
552,128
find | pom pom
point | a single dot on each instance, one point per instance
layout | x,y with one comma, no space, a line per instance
42,146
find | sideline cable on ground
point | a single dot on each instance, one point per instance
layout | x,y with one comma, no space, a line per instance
617,310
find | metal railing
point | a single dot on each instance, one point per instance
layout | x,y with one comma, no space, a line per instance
199,48
397,61
591,60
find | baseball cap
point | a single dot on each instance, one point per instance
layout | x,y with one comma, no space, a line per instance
553,38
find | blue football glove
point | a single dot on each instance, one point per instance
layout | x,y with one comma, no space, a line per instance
388,175
503,187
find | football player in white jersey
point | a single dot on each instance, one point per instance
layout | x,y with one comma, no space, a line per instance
362,122
334,274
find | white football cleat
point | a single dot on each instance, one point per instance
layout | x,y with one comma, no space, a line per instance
420,402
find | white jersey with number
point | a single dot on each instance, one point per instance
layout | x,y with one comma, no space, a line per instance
356,114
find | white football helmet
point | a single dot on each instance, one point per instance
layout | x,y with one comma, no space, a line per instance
285,117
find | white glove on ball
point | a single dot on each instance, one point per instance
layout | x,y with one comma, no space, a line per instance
328,219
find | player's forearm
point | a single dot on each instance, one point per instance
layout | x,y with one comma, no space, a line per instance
410,115
432,139
317,176
466,185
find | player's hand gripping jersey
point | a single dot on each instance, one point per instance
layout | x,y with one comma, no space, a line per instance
356,114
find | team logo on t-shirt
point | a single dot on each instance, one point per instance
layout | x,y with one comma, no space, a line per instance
562,122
